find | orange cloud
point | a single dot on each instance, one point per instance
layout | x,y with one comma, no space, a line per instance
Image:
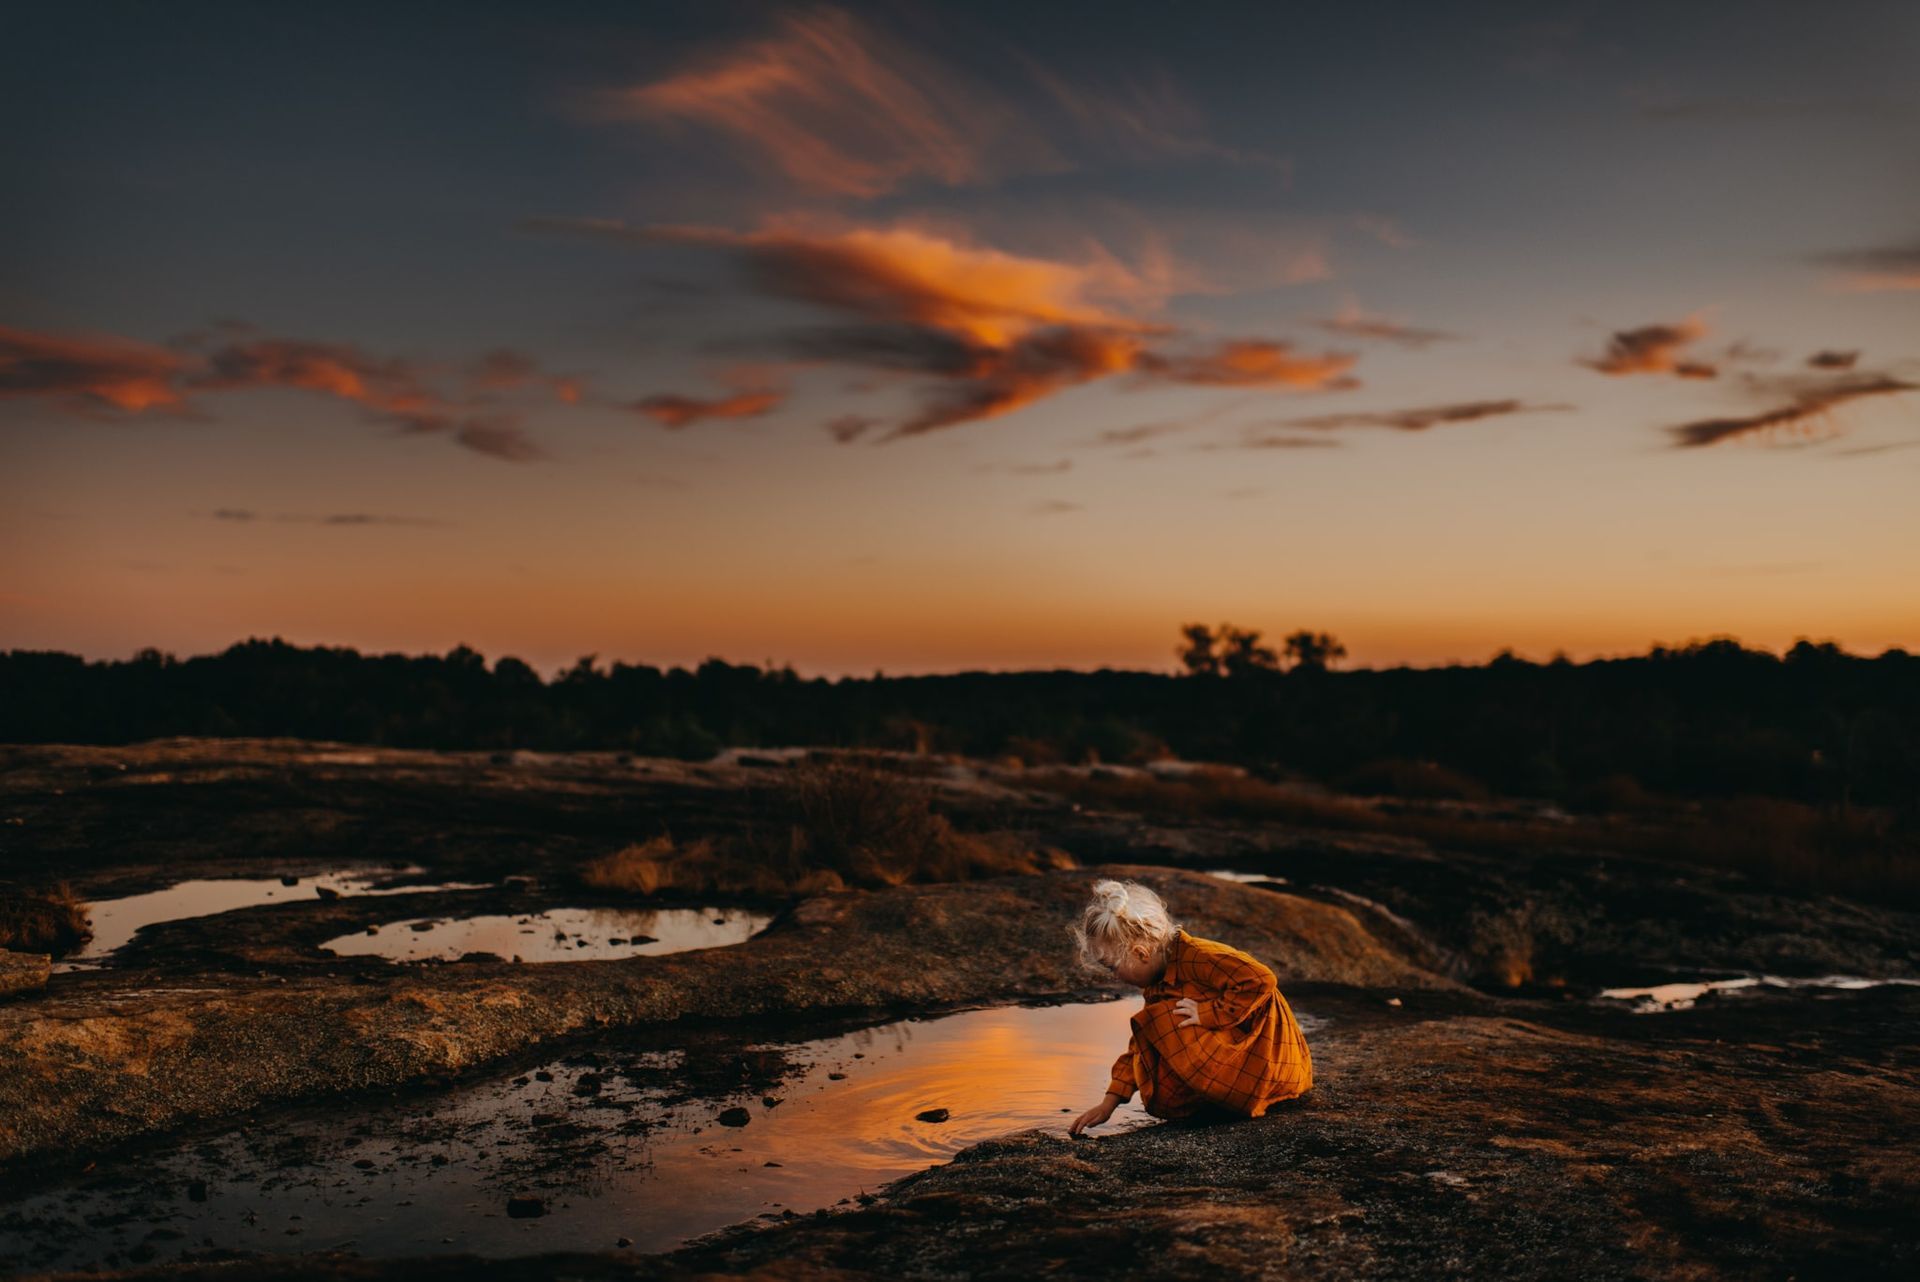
1654,349
999,330
1253,363
836,107
91,371
136,378
671,410
1807,403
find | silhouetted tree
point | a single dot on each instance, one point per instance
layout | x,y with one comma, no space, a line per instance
1241,653
1315,650
1197,653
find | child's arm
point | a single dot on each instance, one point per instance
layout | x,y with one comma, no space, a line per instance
1119,1090
1239,983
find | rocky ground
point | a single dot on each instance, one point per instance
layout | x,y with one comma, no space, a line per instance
1495,1121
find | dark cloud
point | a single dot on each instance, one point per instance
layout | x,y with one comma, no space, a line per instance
1806,402
498,439
1833,360
1423,417
1654,349
850,427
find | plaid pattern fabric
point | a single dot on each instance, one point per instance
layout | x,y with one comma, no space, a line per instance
1246,1054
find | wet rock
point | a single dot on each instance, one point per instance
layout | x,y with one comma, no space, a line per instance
836,1077
734,1117
526,1208
289,881
625,1241
770,1101
327,893
23,972
478,958
933,1115
589,1084
424,925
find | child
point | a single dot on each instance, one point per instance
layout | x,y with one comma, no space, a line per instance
1214,1034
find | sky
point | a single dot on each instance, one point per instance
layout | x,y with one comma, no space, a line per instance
926,337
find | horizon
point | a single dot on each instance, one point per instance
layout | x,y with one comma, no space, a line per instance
935,337
549,672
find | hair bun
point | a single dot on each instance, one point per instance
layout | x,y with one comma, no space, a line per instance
1112,896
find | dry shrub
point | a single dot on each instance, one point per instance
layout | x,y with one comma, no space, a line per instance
836,822
1398,777
1506,947
53,922
1206,793
697,868
1786,843
871,827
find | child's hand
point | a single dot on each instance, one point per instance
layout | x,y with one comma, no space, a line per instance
1190,1008
1094,1116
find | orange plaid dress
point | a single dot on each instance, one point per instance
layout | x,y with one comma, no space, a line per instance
1246,1054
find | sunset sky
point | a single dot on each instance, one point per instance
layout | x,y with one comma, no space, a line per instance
932,337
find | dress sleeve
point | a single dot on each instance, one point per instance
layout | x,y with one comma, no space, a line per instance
1122,1083
1239,983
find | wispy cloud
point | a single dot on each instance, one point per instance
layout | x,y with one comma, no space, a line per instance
839,104
1355,322
1426,416
1878,269
1808,403
242,515
1027,469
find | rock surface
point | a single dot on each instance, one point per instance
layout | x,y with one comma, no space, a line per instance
111,1056
23,972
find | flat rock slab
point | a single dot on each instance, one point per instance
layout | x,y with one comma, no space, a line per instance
1768,1142
110,1057
23,972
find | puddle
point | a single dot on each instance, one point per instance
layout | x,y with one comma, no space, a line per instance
606,1143
1250,878
1682,996
558,934
115,921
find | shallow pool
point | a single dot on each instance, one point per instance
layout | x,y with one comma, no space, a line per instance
556,934
115,921
605,1142
1682,996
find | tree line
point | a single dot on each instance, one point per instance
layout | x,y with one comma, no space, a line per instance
1711,718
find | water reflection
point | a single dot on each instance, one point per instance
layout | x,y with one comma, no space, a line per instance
603,1141
558,934
1682,996
115,921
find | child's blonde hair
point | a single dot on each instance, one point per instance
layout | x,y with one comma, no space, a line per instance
1122,914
